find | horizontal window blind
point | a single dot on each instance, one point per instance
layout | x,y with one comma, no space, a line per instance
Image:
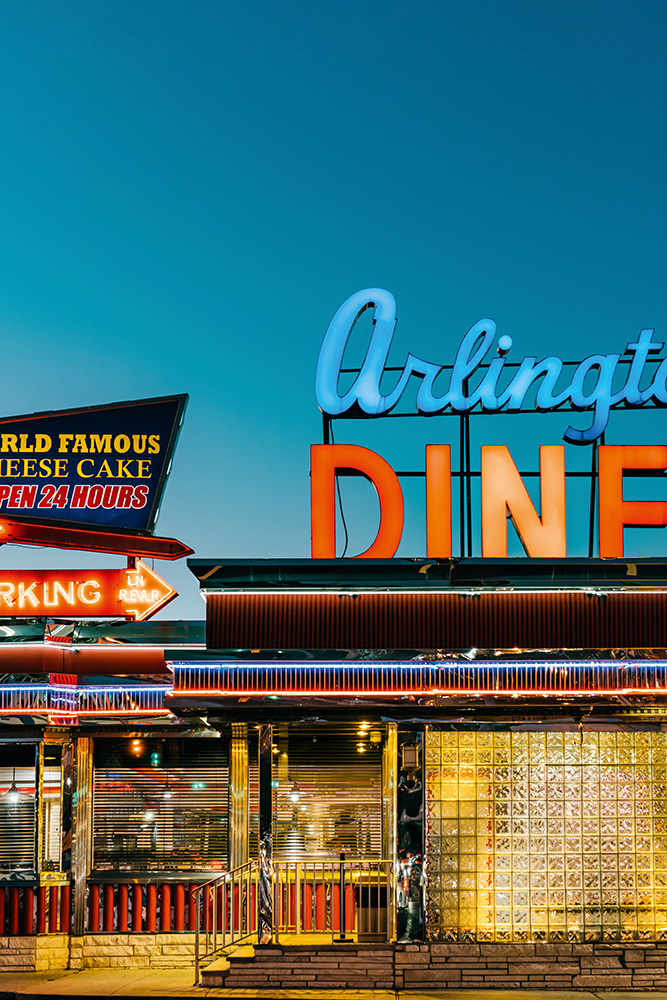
327,795
51,810
17,807
169,816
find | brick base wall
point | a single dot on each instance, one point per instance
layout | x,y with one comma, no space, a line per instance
296,967
619,966
533,966
626,966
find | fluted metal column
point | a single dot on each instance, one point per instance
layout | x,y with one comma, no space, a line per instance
82,840
265,833
389,785
238,796
39,807
390,816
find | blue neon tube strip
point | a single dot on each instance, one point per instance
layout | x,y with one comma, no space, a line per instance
420,677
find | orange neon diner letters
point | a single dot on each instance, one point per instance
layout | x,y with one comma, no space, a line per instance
328,459
503,489
615,512
503,492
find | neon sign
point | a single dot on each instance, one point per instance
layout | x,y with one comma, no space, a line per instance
90,478
543,377
417,678
137,593
502,493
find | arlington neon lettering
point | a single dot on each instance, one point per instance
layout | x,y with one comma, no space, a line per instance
596,393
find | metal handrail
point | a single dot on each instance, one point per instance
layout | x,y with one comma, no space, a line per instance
339,899
229,912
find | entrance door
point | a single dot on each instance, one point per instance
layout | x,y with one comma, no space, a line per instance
327,791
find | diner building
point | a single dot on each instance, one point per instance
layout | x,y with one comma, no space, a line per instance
399,773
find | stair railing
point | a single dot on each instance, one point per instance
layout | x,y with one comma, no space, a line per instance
227,911
341,899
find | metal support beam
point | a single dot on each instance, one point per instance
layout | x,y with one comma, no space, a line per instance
67,788
39,807
265,928
82,841
389,812
389,783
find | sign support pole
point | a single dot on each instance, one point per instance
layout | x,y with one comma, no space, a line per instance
462,525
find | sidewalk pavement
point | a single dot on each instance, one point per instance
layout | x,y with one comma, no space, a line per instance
178,983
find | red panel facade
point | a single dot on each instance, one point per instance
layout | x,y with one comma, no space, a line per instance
436,620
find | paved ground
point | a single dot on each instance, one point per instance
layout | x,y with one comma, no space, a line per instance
178,983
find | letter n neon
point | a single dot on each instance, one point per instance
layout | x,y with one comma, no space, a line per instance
438,501
503,489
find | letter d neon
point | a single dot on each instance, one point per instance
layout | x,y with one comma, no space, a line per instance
325,461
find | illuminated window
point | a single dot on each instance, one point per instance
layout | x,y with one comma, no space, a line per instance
17,807
51,833
327,795
171,815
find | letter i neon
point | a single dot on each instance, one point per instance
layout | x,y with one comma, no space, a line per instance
438,501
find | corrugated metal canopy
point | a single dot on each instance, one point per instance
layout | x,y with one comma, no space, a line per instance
420,603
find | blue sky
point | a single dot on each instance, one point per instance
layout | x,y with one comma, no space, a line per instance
190,190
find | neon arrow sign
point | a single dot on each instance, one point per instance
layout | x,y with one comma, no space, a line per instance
366,396
136,593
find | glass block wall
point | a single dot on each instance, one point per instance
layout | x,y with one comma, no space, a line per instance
558,836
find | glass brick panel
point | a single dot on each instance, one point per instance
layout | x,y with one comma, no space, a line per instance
546,836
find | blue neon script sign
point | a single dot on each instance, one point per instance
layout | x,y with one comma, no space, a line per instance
365,394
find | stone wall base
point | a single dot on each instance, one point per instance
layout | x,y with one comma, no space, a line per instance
612,966
133,951
35,953
41,952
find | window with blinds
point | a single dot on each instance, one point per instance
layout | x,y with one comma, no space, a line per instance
161,805
51,808
17,806
327,786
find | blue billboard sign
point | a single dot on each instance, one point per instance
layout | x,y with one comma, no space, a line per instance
100,467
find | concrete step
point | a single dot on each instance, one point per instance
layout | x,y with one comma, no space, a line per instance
302,965
214,970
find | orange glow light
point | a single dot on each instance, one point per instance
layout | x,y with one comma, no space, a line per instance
503,489
137,593
326,460
422,692
615,512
